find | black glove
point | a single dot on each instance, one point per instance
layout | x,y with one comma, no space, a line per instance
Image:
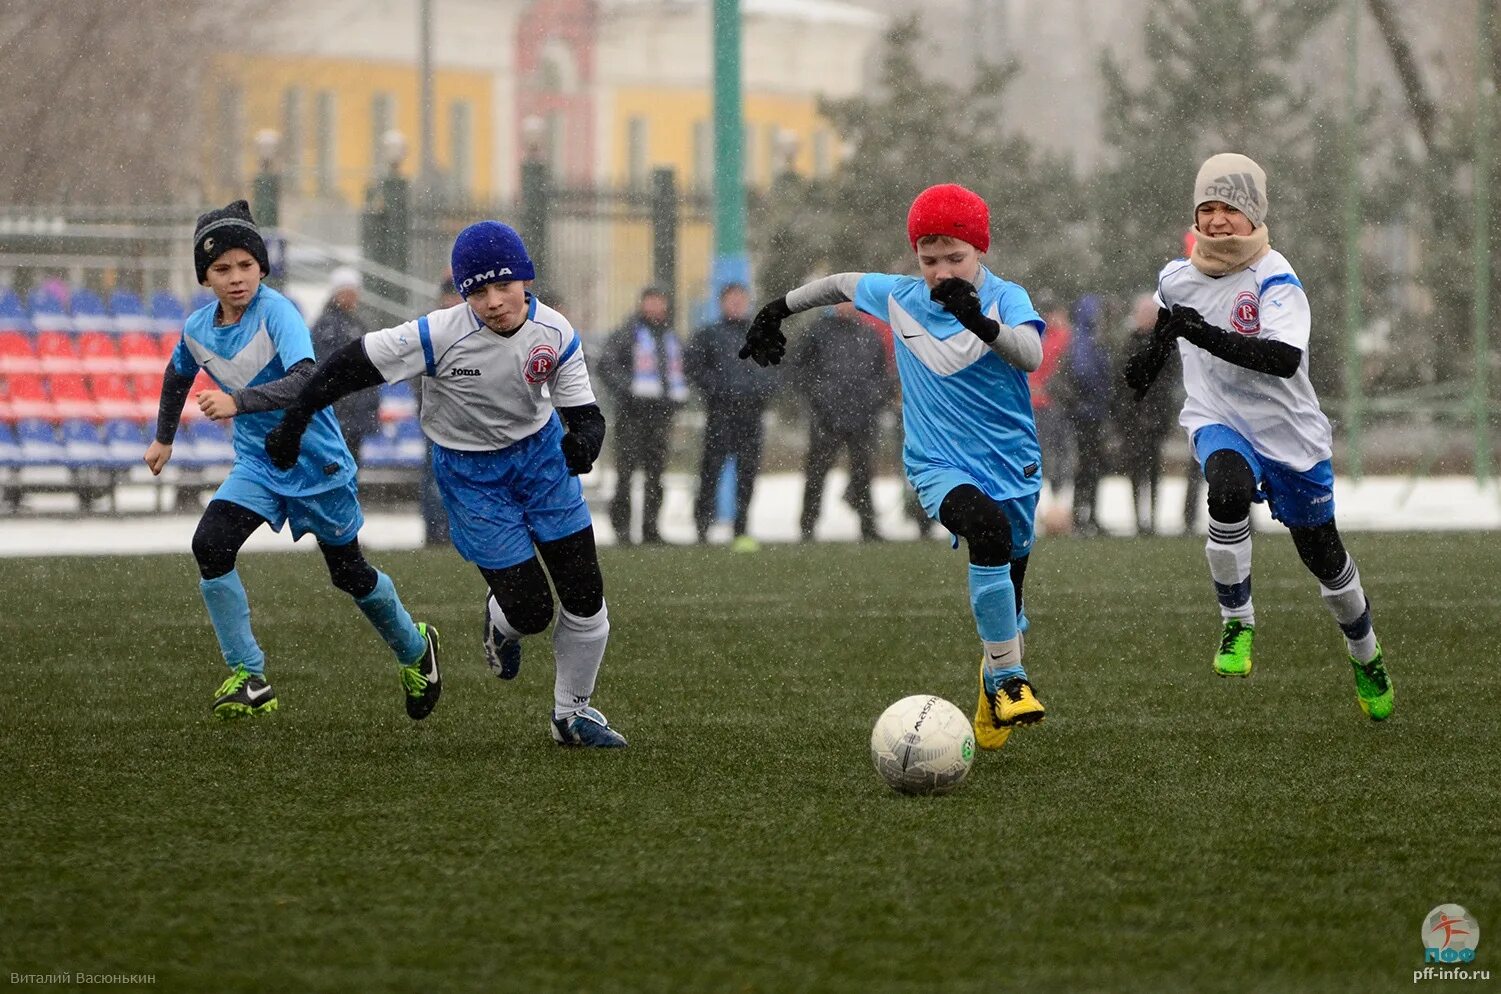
960,298
764,342
576,454
1184,322
284,442
1147,361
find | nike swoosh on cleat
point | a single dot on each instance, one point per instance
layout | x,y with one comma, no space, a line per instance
254,696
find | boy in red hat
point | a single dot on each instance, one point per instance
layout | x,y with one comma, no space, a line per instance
965,340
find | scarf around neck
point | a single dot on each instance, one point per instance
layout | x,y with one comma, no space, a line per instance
1229,253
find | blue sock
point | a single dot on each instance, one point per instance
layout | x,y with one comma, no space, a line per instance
390,618
229,611
993,600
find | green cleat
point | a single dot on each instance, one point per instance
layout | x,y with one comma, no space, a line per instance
421,680
244,695
1234,657
1373,687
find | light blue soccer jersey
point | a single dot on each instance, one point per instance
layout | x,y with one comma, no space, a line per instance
966,412
269,339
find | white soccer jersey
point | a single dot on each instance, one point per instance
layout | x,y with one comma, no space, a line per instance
483,391
1279,417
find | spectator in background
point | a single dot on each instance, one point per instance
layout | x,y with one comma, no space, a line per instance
734,394
1085,377
642,367
336,327
1143,424
1052,419
840,367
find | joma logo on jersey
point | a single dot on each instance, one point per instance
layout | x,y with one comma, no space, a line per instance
463,371
1246,314
540,362
493,274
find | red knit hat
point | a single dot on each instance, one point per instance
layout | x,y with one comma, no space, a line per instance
950,209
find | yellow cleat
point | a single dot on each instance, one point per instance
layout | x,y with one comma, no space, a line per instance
1017,704
989,732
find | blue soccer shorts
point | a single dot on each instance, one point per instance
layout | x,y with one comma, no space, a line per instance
332,516
1298,499
933,485
502,501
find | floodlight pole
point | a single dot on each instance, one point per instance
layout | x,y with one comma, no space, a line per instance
1354,378
731,263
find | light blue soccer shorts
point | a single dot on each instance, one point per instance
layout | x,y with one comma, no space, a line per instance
1298,500
500,502
332,516
933,485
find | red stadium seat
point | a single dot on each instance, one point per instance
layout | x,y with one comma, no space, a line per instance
98,353
55,352
148,391
169,342
28,397
140,353
201,382
17,354
112,396
71,397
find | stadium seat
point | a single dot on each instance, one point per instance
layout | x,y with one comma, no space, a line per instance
201,299
208,444
10,449
201,382
112,395
126,441
17,355
48,312
141,353
38,443
166,343
147,388
55,352
71,397
378,449
98,352
28,397
167,314
411,444
13,313
89,314
82,444
127,313
397,402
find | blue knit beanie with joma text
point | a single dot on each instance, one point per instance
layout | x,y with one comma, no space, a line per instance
489,252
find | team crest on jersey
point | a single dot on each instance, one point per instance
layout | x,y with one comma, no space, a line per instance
540,363
1246,314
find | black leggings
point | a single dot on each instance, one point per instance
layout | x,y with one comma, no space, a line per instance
226,525
1232,486
986,530
524,596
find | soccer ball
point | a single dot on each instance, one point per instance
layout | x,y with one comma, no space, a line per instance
922,745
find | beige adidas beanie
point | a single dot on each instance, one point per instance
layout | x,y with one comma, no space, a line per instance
1234,179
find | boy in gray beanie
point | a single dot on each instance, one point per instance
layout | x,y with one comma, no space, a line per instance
1241,322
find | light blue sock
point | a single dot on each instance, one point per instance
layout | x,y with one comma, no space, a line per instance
229,611
390,618
993,600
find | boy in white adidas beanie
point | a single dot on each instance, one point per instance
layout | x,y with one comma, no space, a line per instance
1241,321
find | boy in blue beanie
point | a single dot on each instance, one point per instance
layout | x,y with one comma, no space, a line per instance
507,403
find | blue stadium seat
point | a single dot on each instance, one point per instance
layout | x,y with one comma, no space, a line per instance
88,312
397,402
379,449
167,313
82,444
129,314
125,441
208,444
48,313
38,443
13,315
10,449
411,444
201,298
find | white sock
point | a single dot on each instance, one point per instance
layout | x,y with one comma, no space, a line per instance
1345,599
1229,553
578,646
499,620
1000,656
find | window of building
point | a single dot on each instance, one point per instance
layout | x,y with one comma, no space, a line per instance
461,147
636,151
291,137
325,160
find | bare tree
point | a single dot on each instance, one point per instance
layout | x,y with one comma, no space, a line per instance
101,100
